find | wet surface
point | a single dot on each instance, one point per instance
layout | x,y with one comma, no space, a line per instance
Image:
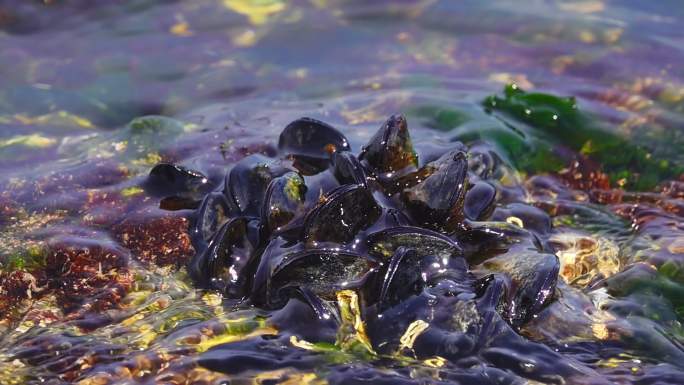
573,209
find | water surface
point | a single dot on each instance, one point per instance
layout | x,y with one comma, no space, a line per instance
94,293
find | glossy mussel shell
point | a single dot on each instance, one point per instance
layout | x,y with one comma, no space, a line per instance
322,272
531,279
390,150
347,169
312,138
167,179
479,201
212,213
437,201
400,278
247,182
284,201
385,243
344,212
224,263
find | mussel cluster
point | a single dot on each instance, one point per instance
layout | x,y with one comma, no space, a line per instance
407,238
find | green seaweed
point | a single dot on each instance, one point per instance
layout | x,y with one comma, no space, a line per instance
558,120
657,283
523,152
26,259
439,118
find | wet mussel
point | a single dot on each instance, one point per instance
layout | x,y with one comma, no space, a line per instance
436,201
309,143
341,214
391,150
180,187
409,242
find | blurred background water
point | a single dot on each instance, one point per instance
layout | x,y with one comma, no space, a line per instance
107,63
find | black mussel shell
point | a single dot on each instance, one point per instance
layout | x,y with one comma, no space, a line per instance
308,165
222,266
284,201
437,201
384,243
344,212
390,150
247,182
479,201
172,179
391,218
531,279
485,240
401,279
405,181
483,161
317,186
313,138
347,169
322,309
397,218
530,217
308,316
321,271
212,213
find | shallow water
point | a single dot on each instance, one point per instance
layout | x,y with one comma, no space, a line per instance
94,288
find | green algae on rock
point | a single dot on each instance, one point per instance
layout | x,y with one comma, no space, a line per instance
558,120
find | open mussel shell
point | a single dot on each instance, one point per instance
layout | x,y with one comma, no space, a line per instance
531,283
284,201
222,266
385,243
390,150
479,201
171,179
247,182
437,201
312,138
212,213
344,212
347,169
322,272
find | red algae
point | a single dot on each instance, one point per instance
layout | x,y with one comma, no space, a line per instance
86,275
156,237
